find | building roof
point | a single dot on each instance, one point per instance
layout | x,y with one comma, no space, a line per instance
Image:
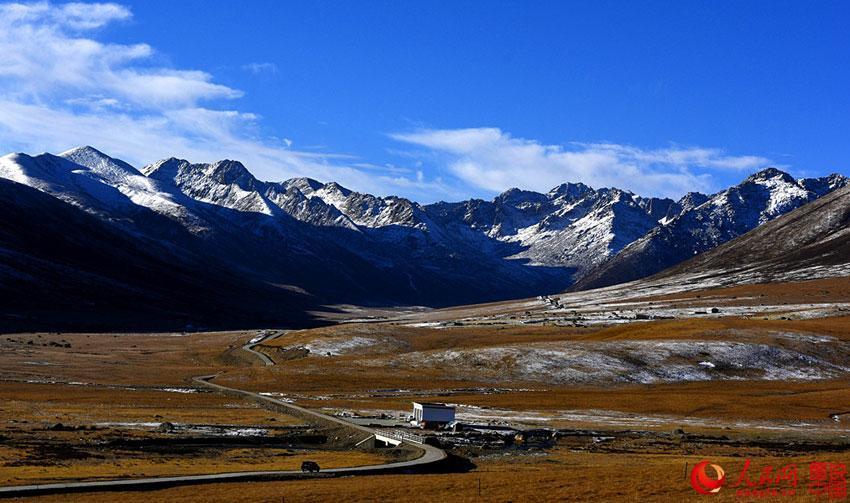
434,405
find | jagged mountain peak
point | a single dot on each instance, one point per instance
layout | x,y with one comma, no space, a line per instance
770,174
760,198
85,150
661,209
304,184
225,171
165,169
835,180
232,173
184,174
806,243
107,187
692,200
94,159
335,187
613,195
225,183
569,191
825,184
521,197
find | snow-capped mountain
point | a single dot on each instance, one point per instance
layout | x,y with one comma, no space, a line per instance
335,245
724,216
805,244
572,226
101,185
364,210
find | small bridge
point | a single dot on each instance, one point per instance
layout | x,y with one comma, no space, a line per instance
395,437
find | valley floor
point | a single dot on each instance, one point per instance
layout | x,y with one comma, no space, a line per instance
669,379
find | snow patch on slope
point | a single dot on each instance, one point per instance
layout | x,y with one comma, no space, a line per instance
630,362
338,346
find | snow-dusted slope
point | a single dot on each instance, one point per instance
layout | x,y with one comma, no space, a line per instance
726,215
572,226
364,210
807,243
223,183
585,233
229,184
99,184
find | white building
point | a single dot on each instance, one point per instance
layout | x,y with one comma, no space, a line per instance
432,415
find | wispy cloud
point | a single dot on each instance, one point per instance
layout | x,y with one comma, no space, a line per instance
61,87
80,16
42,56
260,68
491,159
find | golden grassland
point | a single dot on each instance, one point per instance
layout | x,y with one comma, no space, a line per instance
131,360
361,373
40,405
122,359
813,291
726,402
559,475
39,453
131,464
800,292
723,329
405,338
122,374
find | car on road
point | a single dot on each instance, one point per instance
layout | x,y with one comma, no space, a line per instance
309,467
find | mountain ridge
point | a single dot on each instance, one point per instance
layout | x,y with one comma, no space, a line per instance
341,246
733,212
806,243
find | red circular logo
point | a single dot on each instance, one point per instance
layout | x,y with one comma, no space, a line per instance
702,482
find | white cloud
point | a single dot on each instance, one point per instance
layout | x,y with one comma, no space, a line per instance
712,158
60,87
490,159
42,55
260,68
199,134
78,16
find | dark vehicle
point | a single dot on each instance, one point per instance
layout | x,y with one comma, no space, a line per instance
309,466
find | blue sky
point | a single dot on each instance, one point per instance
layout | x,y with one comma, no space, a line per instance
439,100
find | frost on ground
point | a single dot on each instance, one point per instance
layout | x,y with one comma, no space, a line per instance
338,346
627,420
629,362
427,324
204,429
283,397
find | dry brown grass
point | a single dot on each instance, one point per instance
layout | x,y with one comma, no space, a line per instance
129,464
721,329
802,292
113,360
125,359
814,291
43,405
405,338
559,476
726,400
146,361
